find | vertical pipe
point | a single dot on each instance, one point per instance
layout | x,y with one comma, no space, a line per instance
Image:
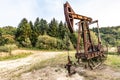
85,37
78,40
89,37
99,39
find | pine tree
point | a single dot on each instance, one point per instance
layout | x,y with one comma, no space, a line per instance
43,27
72,36
61,30
36,26
23,33
53,28
33,36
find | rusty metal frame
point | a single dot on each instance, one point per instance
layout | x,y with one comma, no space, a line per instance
91,51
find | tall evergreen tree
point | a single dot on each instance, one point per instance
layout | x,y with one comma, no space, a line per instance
23,33
37,26
33,36
61,30
53,28
72,36
31,25
43,27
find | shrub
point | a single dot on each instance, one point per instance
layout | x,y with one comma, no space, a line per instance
47,42
6,39
3,49
67,44
26,43
8,48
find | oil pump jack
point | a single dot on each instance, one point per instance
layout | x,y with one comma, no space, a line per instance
92,55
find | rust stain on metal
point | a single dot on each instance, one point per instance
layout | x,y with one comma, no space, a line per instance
93,55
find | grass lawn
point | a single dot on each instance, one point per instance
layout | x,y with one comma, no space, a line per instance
12,57
113,60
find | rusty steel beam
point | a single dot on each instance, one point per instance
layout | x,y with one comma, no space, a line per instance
91,51
70,15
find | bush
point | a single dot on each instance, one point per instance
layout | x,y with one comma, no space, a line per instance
8,48
47,42
7,39
3,49
67,44
26,43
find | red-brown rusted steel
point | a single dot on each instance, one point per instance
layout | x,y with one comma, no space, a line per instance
85,21
70,15
90,50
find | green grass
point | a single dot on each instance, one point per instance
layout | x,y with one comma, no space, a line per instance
12,57
61,60
58,60
113,60
112,53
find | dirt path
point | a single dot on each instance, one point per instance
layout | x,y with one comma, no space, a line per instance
12,67
49,73
9,69
58,73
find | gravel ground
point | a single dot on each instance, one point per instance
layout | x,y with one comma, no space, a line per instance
9,70
49,73
12,67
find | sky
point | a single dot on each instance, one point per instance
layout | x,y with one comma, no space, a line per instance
107,12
